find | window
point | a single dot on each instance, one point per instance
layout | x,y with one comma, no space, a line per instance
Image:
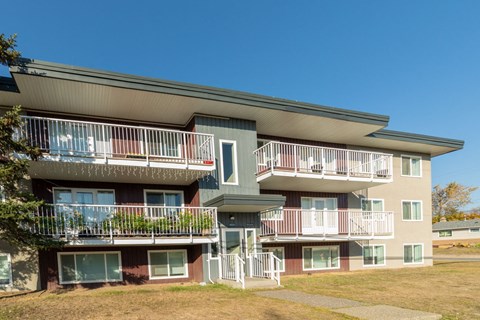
167,264
411,166
85,267
412,253
372,205
474,229
319,204
228,159
319,258
412,210
164,198
278,252
374,255
5,270
445,233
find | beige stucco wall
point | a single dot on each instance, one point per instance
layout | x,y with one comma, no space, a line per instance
405,232
25,273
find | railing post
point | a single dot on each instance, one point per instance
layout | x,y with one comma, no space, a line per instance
272,267
237,268
271,157
276,225
349,218
147,151
104,144
184,138
324,224
220,266
296,223
295,152
110,229
250,264
348,163
371,165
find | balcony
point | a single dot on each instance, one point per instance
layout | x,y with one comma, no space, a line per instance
286,166
104,225
298,224
117,151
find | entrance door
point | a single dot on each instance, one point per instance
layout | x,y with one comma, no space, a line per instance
319,216
239,241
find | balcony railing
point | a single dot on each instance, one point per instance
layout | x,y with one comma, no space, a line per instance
77,221
326,223
295,158
67,138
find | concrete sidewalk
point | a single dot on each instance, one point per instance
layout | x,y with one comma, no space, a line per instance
350,307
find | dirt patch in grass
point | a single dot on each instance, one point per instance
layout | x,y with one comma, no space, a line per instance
156,302
449,288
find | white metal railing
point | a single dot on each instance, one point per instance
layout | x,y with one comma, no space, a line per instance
118,220
265,265
232,267
280,156
350,223
71,138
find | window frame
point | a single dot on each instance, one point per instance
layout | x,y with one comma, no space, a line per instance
59,261
413,255
74,192
185,255
375,264
270,249
234,164
180,192
10,273
410,157
446,233
477,230
323,247
411,217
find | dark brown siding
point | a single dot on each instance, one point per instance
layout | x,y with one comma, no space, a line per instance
301,141
293,198
125,194
293,256
134,266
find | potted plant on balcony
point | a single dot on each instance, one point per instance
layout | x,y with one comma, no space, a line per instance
184,222
203,223
161,225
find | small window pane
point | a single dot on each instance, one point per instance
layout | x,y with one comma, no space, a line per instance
91,267
407,214
4,270
63,197
155,199
228,165
368,255
379,254
105,198
159,264
67,269
177,263
113,267
418,253
416,167
416,210
307,203
173,199
321,258
334,257
307,258
407,254
405,166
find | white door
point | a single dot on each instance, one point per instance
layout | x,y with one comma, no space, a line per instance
319,216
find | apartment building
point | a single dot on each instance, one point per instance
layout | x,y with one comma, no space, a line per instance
154,181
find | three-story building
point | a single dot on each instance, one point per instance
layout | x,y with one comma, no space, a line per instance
153,181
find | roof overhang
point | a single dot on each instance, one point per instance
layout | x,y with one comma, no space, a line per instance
246,203
56,88
409,142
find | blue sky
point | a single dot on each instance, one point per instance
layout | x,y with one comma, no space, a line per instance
416,61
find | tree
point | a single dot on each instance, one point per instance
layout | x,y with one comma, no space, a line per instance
448,200
8,54
16,211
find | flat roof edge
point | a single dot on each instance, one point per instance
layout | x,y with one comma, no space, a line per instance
192,90
418,138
